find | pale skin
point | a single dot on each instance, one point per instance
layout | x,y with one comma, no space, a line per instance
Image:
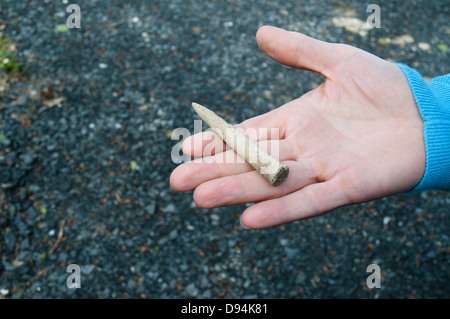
355,138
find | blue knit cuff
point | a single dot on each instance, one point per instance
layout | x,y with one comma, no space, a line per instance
433,101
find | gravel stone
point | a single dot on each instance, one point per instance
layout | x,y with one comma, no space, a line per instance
9,240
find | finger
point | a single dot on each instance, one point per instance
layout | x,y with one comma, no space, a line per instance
203,144
251,187
191,174
268,126
313,200
298,50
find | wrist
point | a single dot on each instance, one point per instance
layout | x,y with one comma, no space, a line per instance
433,102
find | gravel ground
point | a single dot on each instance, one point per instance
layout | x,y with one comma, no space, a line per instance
86,182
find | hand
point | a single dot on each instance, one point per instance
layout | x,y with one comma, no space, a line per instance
355,138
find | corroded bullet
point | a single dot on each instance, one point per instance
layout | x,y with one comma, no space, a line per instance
268,166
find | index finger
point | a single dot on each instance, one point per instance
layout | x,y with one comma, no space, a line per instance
268,126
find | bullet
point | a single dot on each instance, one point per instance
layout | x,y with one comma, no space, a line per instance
268,166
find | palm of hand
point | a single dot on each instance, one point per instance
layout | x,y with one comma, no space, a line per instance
357,137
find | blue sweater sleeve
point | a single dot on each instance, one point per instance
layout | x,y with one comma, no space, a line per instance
433,101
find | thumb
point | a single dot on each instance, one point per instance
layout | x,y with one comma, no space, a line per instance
300,51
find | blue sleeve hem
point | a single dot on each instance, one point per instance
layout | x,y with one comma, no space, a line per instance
433,101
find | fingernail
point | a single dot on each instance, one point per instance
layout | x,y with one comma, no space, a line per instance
240,220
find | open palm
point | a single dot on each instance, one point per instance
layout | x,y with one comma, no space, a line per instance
355,138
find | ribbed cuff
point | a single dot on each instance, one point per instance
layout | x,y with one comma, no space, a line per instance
433,101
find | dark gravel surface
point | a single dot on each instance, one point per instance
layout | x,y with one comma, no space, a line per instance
94,171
